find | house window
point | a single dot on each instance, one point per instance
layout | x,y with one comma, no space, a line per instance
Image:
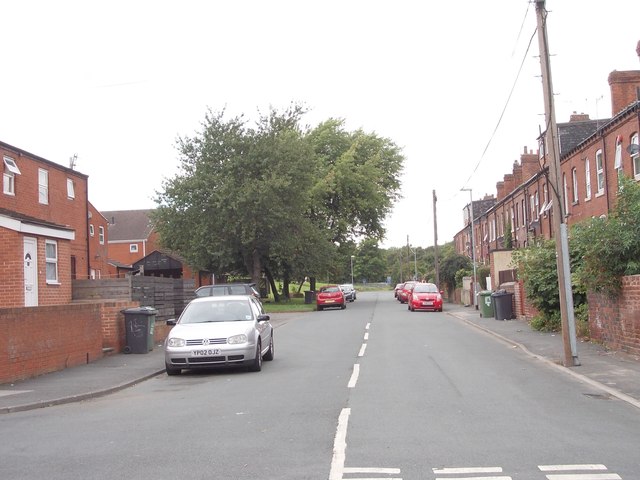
587,179
513,219
70,190
51,256
545,204
565,187
43,186
524,212
9,176
91,230
600,172
635,157
574,181
133,248
101,235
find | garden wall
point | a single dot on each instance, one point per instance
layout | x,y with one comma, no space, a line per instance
616,321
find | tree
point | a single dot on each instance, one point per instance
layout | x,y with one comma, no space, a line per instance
369,262
450,265
275,198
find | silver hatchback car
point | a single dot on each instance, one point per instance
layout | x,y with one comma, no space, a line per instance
225,331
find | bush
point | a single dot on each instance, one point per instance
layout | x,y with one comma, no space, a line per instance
546,323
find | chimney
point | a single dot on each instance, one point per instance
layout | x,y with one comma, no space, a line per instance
509,184
517,173
530,165
500,191
582,117
625,87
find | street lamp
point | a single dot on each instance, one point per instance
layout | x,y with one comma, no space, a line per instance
473,248
352,257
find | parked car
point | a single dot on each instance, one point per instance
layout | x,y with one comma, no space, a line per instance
228,289
397,289
349,291
219,331
425,296
403,294
330,296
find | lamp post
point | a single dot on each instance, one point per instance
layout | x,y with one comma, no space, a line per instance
415,264
473,247
352,257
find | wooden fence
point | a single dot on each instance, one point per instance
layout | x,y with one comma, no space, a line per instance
168,296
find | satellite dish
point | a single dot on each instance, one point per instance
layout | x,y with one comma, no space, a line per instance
633,149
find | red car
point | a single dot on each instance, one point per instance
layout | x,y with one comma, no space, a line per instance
397,289
425,296
330,296
403,293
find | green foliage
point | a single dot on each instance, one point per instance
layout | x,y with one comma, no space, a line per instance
369,262
546,323
609,246
450,268
276,198
508,235
483,272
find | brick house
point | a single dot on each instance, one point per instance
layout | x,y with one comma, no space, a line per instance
43,229
134,247
98,244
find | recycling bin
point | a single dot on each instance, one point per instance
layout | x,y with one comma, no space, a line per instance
486,304
139,323
502,301
309,296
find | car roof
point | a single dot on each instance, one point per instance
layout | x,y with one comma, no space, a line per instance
221,298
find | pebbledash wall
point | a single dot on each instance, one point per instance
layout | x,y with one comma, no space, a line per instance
616,321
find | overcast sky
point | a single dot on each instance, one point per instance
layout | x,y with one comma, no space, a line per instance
117,82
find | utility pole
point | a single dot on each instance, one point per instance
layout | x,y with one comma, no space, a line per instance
552,151
435,240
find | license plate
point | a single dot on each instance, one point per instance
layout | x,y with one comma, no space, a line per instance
205,353
427,303
329,301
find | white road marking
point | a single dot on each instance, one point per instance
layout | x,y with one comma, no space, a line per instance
354,376
362,349
367,326
452,470
585,476
340,446
371,470
564,468
366,336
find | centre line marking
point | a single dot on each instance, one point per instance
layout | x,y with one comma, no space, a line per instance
362,349
340,446
354,376
366,336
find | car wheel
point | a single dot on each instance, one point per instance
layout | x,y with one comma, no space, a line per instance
269,355
343,306
318,308
172,370
256,366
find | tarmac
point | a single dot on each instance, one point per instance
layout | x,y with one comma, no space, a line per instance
613,374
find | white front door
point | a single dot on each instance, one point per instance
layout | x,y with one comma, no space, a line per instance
30,272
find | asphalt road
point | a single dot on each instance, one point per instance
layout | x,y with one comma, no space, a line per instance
374,392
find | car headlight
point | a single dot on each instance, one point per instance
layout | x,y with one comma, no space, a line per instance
236,339
176,342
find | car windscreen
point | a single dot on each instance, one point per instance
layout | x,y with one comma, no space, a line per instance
219,311
425,288
330,290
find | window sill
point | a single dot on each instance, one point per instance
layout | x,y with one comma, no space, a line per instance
50,282
600,194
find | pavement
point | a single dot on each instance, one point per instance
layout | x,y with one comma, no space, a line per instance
612,374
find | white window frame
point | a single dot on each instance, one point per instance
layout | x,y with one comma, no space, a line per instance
9,176
51,267
43,186
587,179
600,172
71,193
133,248
91,230
101,234
524,212
565,186
635,159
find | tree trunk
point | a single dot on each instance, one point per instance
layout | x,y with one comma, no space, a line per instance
276,295
285,285
256,271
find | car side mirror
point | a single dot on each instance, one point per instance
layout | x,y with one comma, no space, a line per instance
264,318
171,321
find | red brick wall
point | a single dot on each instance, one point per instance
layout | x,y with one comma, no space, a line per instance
39,340
616,322
98,252
11,268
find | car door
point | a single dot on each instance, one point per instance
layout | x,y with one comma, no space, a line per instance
264,328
